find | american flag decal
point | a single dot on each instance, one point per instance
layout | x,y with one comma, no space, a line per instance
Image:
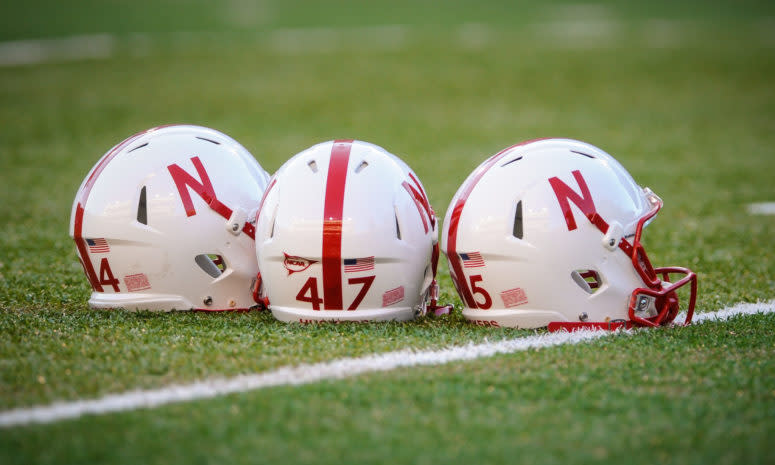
352,265
99,245
472,260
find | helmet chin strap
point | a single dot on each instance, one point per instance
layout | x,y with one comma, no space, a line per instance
433,307
263,302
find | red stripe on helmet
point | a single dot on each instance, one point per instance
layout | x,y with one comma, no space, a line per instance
263,197
80,244
454,222
332,224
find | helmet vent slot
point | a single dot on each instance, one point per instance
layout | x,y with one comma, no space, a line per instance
138,147
517,229
398,228
273,224
211,263
360,167
142,209
588,280
582,153
512,161
208,140
313,166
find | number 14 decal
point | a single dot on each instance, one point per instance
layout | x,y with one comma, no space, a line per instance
309,292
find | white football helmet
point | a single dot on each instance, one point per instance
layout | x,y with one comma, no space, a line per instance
160,222
547,233
345,232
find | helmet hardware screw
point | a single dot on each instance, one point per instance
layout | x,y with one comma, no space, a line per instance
643,303
208,300
612,242
235,227
583,316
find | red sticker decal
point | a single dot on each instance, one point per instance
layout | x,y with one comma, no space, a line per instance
137,282
514,297
393,296
295,264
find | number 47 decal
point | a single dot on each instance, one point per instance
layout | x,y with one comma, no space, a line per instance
309,292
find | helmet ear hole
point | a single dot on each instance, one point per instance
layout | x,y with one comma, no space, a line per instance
212,264
588,280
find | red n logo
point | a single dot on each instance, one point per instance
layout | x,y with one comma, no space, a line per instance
564,193
182,179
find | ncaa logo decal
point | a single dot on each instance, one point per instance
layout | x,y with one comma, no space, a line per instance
296,264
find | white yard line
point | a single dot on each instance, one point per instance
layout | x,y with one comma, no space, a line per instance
762,208
335,369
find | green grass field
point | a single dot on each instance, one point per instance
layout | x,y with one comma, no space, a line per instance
683,95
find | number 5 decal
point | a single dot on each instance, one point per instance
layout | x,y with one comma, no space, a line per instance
481,291
309,291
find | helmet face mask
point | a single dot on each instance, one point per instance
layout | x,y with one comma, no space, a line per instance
159,223
547,233
345,232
